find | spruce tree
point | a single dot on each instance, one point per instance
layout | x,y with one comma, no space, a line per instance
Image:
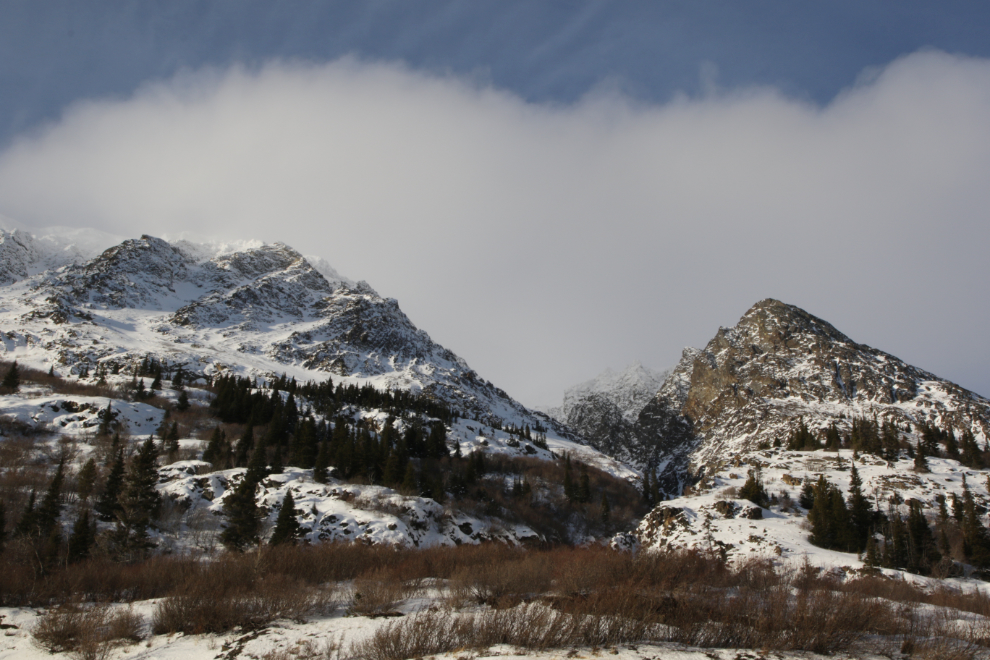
25,524
107,504
861,516
976,540
753,490
139,502
214,449
48,512
583,492
320,475
81,539
568,480
287,528
921,551
183,403
12,381
86,480
258,465
243,517
920,462
409,480
244,446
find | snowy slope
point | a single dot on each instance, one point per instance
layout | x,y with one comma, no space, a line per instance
604,410
753,383
710,518
249,308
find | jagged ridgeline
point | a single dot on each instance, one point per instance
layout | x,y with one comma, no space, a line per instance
251,309
784,377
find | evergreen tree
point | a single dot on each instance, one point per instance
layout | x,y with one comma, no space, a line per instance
606,510
957,509
140,393
754,491
896,545
568,480
976,540
81,539
861,515
156,384
183,403
276,466
106,421
214,452
921,551
807,496
25,523
48,512
829,518
583,492
86,480
409,480
244,446
287,528
647,489
138,503
258,465
920,462
12,381
170,441
872,559
971,455
243,517
320,475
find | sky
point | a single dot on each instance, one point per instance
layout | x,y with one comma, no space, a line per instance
548,189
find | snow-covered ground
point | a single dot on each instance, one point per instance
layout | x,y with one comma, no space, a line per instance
713,518
338,631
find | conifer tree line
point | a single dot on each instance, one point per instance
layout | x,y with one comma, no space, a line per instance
887,441
128,501
889,539
116,506
239,399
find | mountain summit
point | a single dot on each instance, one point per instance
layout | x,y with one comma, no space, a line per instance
780,366
254,309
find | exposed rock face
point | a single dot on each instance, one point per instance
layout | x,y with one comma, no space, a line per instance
259,310
604,411
753,383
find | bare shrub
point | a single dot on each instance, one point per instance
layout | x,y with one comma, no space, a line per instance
506,580
308,649
378,594
229,593
532,626
88,633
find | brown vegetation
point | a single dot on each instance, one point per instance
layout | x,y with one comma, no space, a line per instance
533,599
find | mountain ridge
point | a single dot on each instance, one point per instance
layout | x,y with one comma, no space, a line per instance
780,366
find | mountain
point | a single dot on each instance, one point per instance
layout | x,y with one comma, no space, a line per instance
254,309
604,410
754,383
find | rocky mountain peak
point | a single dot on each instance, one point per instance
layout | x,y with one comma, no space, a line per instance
754,382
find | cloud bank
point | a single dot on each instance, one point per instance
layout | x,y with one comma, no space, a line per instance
544,243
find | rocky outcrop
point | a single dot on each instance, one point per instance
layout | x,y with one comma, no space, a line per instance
259,310
604,411
753,383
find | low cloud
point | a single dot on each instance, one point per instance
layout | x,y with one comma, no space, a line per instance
544,243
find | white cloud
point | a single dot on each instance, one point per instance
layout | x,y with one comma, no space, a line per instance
544,243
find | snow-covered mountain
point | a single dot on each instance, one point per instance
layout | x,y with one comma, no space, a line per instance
250,308
604,410
755,382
